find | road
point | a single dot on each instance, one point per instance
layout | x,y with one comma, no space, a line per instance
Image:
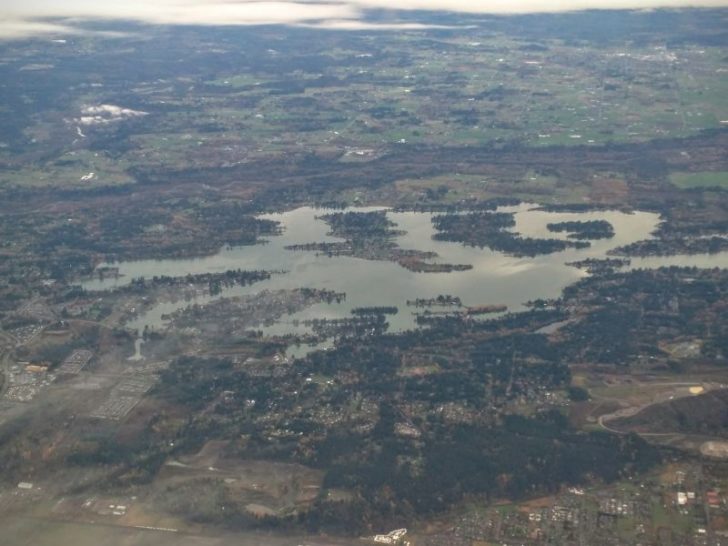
634,410
7,342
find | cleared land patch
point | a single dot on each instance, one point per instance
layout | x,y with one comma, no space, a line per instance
700,180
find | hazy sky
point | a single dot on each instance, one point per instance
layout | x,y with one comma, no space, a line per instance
24,17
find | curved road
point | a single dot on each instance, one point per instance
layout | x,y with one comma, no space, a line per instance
634,410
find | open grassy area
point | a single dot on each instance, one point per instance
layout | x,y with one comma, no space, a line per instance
700,180
75,169
661,517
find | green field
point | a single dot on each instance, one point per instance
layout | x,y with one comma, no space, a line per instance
687,181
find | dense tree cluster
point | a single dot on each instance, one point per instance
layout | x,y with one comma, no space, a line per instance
592,229
214,281
355,226
489,229
631,312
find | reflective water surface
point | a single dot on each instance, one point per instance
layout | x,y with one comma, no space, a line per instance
496,278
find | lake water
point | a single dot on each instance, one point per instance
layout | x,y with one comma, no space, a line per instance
495,278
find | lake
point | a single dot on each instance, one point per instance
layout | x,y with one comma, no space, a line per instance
495,278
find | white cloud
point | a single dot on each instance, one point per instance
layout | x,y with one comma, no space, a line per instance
30,17
104,114
186,12
20,28
19,19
